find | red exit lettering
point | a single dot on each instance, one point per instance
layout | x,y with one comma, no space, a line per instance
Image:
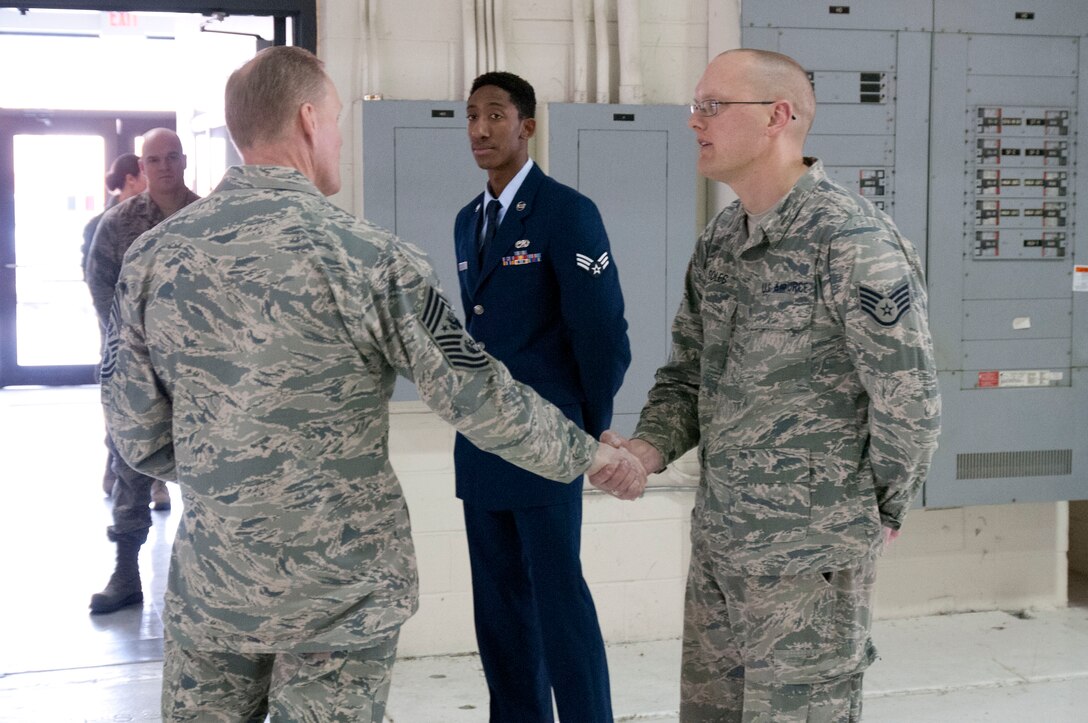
123,20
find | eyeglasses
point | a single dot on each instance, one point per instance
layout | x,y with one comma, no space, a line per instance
707,108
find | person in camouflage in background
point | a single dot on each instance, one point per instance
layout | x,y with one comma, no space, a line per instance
163,164
252,353
802,367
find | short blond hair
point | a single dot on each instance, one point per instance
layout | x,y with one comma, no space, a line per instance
780,76
263,96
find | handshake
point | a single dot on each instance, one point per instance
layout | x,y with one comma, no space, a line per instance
620,465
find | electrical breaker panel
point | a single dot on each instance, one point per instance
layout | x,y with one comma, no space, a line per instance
989,169
1004,243
418,172
872,105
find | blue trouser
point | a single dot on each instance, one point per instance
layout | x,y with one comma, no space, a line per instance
536,625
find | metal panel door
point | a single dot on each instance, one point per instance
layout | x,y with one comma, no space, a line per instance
1008,323
418,173
637,163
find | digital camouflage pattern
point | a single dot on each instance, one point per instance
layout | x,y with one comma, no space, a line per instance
815,413
118,227
788,649
258,336
803,368
336,686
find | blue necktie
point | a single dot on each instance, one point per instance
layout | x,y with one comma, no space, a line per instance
488,234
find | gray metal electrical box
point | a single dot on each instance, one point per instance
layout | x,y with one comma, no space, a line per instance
869,66
984,101
418,173
637,163
1010,328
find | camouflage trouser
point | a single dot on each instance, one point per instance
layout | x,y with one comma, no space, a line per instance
131,497
343,685
775,649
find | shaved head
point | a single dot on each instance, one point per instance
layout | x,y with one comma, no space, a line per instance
776,76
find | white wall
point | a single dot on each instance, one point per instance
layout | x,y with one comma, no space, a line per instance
413,50
635,554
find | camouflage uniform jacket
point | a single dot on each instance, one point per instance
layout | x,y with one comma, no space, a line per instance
256,339
803,367
118,227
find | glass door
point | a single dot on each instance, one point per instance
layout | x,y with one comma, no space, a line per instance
52,170
54,322
173,58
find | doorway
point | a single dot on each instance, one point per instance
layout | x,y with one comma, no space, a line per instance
1078,553
52,166
64,123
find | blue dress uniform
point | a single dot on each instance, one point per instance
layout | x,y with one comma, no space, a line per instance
544,298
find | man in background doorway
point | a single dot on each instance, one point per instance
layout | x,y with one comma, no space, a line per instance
541,290
163,164
123,181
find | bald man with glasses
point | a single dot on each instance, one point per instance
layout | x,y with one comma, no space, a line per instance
802,368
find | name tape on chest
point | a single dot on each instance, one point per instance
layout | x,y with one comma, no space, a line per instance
796,288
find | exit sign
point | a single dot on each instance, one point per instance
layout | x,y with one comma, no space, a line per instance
119,23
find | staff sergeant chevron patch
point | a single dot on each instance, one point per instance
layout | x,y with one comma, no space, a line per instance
886,309
113,339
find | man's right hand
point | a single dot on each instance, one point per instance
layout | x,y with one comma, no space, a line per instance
647,454
617,472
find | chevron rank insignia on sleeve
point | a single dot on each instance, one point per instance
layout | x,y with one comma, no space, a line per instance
460,349
113,340
886,309
594,267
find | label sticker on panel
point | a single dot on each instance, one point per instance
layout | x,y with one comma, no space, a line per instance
1080,278
1019,378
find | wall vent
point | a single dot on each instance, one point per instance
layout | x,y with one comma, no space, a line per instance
995,465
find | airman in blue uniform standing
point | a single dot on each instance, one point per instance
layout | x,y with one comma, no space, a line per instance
541,293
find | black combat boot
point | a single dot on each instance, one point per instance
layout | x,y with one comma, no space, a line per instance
124,588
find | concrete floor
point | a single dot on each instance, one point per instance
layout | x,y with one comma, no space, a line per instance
57,663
